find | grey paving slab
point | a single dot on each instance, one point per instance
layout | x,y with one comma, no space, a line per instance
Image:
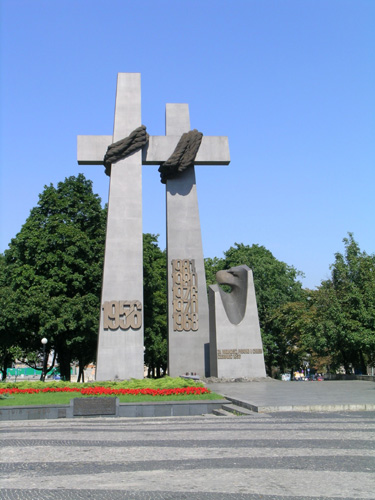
282,456
273,395
150,495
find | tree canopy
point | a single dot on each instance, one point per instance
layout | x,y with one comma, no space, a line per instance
333,327
50,286
51,277
155,306
345,310
55,267
9,334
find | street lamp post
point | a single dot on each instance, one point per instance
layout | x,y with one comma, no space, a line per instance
44,369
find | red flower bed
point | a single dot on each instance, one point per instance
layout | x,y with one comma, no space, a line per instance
104,391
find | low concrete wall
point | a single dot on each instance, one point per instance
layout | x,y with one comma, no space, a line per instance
130,410
172,409
35,412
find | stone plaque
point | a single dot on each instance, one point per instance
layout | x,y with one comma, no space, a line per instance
83,407
123,314
236,353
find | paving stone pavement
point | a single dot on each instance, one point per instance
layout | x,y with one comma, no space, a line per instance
275,456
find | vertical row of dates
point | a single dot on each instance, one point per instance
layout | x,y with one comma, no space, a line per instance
184,295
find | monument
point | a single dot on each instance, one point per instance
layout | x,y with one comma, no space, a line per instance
236,349
120,343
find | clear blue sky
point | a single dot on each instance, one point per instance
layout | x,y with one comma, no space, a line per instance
290,82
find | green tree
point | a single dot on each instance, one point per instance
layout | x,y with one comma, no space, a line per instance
155,306
212,266
9,336
296,324
345,306
275,283
55,263
335,327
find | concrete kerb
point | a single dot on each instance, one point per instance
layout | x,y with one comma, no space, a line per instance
129,410
303,408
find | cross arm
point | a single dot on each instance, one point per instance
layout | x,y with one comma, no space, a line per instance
214,150
92,148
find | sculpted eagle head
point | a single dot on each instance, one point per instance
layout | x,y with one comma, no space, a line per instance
234,302
235,277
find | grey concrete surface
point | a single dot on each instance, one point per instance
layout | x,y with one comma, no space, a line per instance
273,395
279,456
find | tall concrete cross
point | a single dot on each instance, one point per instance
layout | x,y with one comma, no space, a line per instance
120,343
188,317
187,299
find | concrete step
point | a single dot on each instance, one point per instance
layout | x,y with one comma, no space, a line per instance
237,410
222,413
243,404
